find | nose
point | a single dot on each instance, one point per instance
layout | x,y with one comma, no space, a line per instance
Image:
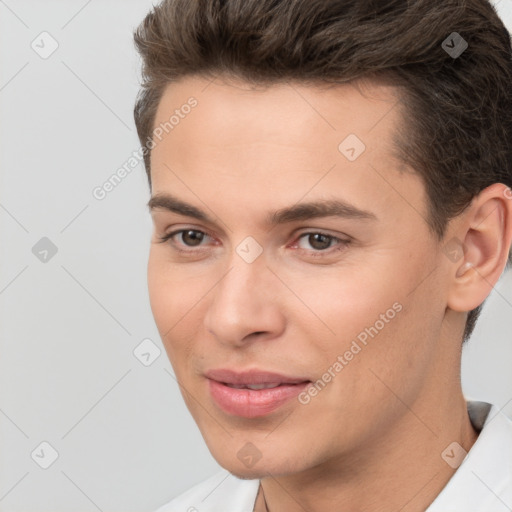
244,305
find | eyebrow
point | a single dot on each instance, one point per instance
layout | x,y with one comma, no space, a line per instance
297,212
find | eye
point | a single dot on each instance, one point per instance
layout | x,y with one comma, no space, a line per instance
192,237
315,244
189,237
320,243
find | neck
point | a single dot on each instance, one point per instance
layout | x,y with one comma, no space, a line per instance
401,470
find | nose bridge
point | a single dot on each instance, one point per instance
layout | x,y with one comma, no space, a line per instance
241,303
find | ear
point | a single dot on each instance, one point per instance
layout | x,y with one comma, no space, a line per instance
485,232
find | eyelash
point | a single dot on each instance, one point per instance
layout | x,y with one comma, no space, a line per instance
315,253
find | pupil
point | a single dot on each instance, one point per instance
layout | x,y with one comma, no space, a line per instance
191,237
319,241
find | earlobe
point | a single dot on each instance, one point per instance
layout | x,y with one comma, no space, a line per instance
485,230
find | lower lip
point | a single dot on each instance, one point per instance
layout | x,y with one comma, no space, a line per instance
251,403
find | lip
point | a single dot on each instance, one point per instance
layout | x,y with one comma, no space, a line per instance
249,403
251,377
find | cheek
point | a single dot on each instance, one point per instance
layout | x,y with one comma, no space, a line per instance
350,304
173,299
163,303
376,322
389,340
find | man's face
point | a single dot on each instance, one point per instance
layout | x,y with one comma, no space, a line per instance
344,311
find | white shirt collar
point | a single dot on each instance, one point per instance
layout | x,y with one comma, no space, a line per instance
483,481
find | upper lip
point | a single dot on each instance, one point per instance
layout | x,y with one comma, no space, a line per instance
251,377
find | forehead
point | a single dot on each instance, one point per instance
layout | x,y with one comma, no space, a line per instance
280,113
244,125
280,143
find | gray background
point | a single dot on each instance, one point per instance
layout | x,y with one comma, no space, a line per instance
70,324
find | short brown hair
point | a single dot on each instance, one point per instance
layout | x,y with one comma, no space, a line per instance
457,126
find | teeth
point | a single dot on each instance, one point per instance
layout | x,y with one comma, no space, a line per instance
254,387
263,386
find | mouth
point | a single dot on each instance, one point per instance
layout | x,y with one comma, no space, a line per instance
255,387
252,394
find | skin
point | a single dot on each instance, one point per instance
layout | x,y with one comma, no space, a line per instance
372,438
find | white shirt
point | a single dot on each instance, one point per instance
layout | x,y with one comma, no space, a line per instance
482,483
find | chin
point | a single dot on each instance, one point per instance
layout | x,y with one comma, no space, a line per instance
260,470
